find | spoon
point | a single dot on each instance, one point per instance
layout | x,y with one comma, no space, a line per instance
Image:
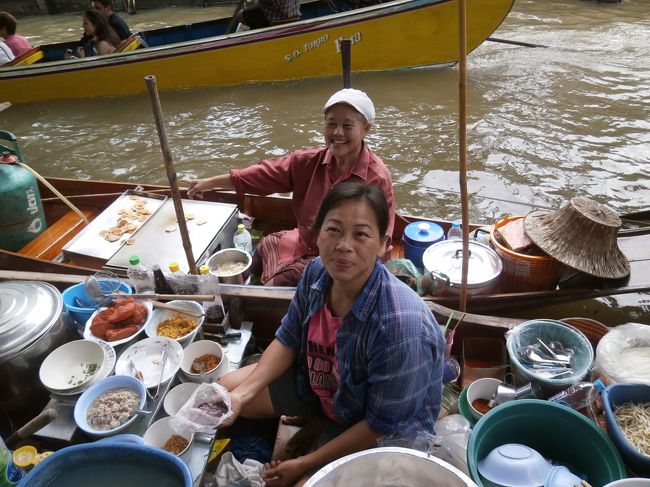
163,361
532,356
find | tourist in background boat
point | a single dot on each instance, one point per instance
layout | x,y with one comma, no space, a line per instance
357,348
270,12
18,44
309,173
101,38
105,7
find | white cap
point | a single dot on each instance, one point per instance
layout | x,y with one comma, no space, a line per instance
357,99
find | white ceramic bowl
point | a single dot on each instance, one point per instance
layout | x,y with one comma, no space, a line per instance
159,432
146,356
159,315
89,334
178,396
483,388
195,350
514,465
71,366
94,391
631,482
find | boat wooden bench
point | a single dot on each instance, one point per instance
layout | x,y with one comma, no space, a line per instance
49,244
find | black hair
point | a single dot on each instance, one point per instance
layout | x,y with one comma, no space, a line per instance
103,31
105,3
8,21
355,191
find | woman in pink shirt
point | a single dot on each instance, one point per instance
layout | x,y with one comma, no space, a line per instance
309,174
17,44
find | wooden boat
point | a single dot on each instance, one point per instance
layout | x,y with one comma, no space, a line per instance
392,35
44,254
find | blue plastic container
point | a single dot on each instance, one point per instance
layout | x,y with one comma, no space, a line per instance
80,314
418,236
615,395
109,464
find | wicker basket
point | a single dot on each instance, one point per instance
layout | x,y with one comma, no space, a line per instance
592,329
523,272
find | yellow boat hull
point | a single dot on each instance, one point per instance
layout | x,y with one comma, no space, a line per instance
392,35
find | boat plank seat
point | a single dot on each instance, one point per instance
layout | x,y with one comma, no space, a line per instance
28,57
49,244
295,18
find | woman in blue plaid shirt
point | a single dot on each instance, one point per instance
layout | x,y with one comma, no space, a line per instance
357,346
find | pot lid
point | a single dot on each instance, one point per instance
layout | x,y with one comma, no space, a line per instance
423,234
27,310
446,258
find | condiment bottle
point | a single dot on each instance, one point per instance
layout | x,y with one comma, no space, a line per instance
214,310
174,267
139,275
161,284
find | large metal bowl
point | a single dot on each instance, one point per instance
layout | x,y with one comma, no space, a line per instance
230,256
389,466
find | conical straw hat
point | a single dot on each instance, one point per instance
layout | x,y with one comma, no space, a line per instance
581,235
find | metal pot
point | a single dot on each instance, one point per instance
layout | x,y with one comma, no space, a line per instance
443,261
231,256
32,324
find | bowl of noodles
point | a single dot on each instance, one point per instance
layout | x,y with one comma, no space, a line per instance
175,325
231,266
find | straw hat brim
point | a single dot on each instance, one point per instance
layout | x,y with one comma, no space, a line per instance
581,235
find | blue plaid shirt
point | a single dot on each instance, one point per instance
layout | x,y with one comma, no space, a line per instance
389,352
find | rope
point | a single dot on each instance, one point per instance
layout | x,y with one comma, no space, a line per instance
55,191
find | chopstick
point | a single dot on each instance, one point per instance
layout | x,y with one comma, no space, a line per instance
177,309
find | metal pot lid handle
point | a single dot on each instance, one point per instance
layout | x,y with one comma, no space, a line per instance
441,276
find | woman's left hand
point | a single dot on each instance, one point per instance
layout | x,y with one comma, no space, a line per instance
283,474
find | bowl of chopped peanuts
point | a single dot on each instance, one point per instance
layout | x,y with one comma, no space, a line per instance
177,326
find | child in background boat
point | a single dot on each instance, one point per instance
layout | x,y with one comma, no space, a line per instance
358,348
309,173
101,38
17,44
265,13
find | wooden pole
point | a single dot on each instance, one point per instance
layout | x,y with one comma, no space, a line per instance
346,45
462,145
171,171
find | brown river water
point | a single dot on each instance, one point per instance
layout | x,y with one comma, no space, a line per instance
544,124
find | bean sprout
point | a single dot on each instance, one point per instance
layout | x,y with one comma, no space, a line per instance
634,420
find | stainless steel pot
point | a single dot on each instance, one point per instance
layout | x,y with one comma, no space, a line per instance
32,324
443,261
231,256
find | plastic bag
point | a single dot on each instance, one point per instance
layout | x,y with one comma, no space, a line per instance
623,354
423,441
214,310
208,407
452,437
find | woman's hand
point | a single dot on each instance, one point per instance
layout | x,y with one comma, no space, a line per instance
236,406
283,474
81,52
196,187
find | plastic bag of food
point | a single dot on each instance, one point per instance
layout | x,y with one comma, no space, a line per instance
452,437
208,407
214,310
623,354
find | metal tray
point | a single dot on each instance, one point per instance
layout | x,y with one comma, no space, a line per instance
90,248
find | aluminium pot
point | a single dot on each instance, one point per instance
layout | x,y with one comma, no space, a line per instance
220,265
443,262
32,324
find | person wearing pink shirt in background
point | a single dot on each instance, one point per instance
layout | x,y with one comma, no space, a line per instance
17,44
309,173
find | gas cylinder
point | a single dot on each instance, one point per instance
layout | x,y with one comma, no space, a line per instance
21,211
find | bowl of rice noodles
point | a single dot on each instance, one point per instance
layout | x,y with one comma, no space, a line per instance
231,266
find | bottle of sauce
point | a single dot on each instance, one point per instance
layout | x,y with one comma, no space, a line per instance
214,310
161,284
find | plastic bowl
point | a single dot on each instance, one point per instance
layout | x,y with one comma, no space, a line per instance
81,314
555,431
107,384
528,332
178,396
71,366
162,430
484,388
514,465
159,315
615,395
632,482
561,477
203,347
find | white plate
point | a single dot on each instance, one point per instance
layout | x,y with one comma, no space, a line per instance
89,335
146,354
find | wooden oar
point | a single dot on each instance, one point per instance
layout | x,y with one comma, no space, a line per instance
514,43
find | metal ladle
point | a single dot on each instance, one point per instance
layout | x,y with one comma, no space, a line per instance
98,286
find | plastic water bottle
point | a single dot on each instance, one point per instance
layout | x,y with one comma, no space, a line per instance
578,396
242,239
10,475
454,231
140,275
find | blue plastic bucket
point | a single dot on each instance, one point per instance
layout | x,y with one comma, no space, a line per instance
417,237
103,464
79,314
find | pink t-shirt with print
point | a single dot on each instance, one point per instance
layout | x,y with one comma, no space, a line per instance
321,358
